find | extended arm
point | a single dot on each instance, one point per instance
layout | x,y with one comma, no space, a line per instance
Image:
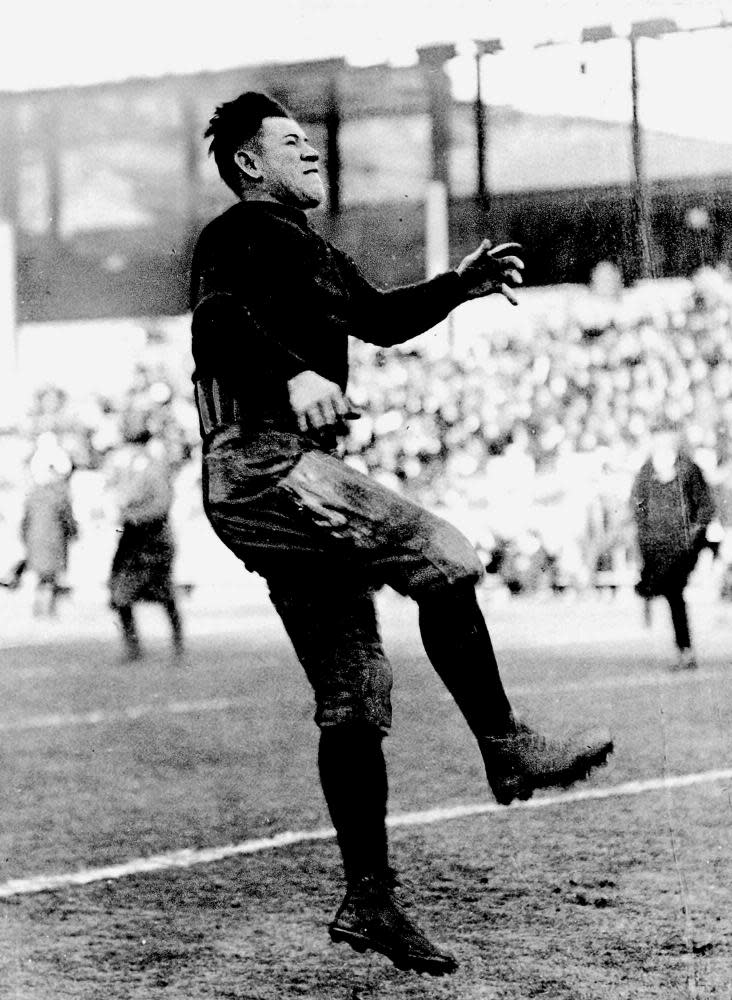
388,317
396,315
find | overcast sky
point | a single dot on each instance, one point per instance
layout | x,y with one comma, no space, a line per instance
686,79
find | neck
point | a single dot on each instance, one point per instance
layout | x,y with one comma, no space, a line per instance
257,196
248,194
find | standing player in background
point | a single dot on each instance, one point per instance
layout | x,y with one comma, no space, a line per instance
143,561
273,308
672,507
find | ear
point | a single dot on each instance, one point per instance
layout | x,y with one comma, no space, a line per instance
247,162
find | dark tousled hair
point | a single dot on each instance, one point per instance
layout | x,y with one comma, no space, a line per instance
235,123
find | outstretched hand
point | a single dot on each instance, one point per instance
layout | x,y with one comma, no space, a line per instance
492,269
316,401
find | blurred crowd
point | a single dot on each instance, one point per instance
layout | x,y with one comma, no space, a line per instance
532,436
528,437
90,429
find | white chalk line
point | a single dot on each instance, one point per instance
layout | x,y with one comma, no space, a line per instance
187,857
97,717
100,716
666,679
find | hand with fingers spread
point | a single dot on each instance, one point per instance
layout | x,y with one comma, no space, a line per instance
492,269
316,401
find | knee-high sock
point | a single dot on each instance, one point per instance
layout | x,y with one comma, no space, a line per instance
353,776
458,644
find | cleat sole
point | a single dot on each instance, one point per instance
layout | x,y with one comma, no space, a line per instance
405,963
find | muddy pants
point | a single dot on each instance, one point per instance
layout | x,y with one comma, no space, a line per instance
325,538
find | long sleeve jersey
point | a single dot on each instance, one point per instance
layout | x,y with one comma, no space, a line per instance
270,299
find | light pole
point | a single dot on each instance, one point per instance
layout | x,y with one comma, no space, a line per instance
482,48
643,29
654,28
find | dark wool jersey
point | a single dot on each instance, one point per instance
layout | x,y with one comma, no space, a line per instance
270,299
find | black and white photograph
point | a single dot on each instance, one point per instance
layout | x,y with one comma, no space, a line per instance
366,500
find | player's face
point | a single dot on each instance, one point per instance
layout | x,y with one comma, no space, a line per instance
288,164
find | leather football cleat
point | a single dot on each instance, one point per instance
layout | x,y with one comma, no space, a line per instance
370,918
523,760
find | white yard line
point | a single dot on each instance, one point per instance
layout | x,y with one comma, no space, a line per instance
665,679
100,716
97,717
187,857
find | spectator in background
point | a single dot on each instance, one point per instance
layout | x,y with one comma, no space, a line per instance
142,565
672,506
48,524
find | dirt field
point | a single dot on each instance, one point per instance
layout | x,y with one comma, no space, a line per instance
623,896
